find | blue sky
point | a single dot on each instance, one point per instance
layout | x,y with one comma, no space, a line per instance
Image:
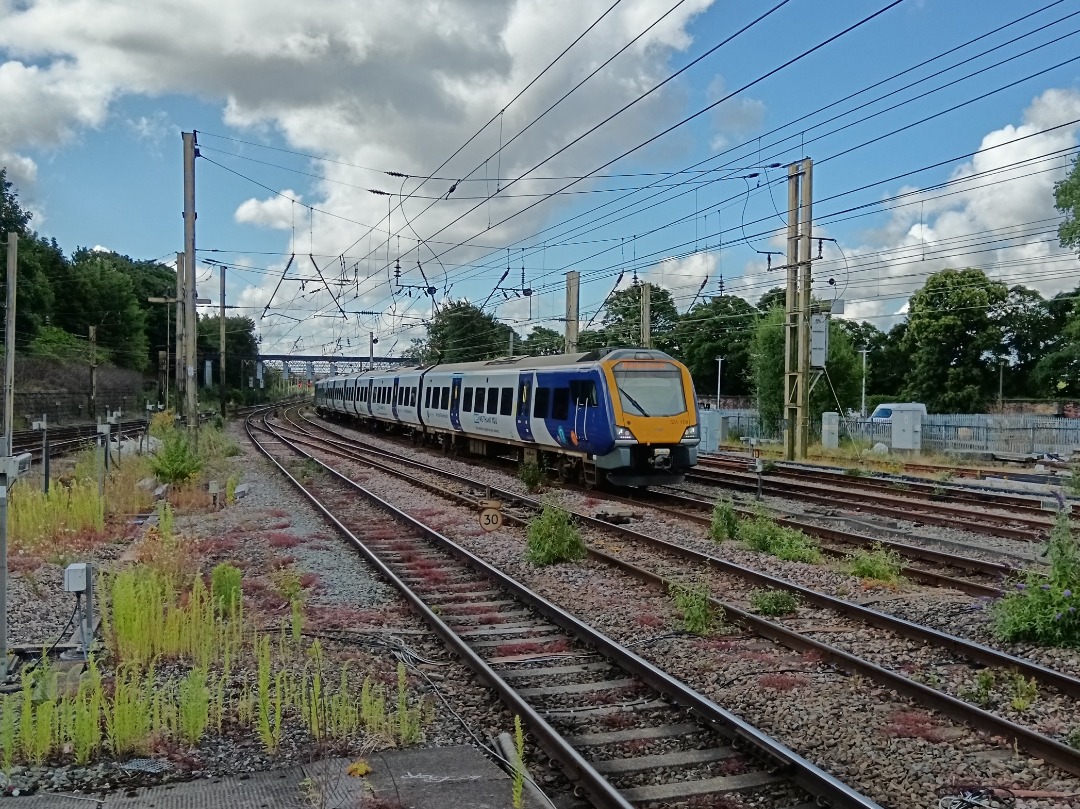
101,99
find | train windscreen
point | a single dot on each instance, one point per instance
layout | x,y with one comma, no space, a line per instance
650,389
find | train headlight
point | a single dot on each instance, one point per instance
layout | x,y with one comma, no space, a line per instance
690,432
623,434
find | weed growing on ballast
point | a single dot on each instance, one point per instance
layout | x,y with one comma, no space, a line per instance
692,600
725,522
1073,739
789,544
1024,691
1046,609
517,788
773,602
878,563
531,475
982,693
553,538
177,462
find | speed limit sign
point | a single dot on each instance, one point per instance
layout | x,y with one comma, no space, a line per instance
491,519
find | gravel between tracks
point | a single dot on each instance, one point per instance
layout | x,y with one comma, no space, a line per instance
881,744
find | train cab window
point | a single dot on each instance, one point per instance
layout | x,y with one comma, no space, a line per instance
466,401
506,405
480,398
493,400
560,405
445,403
541,402
583,392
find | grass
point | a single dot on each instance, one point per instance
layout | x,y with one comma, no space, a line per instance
692,600
762,534
878,564
553,538
773,602
531,475
1045,610
725,522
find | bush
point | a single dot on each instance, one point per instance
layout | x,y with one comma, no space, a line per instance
553,537
177,462
1045,609
773,602
692,600
877,563
725,522
762,534
531,475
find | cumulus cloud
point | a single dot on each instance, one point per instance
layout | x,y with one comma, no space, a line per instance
997,213
398,87
734,119
277,212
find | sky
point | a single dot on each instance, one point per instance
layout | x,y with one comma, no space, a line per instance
488,148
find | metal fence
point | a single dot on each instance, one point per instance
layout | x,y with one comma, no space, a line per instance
1012,435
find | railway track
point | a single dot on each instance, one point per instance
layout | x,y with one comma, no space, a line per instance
63,440
606,700
893,506
637,560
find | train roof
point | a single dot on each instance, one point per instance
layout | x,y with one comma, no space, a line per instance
523,361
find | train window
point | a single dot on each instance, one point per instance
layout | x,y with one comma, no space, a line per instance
493,401
480,394
506,406
560,405
583,392
541,401
412,396
466,401
427,397
445,404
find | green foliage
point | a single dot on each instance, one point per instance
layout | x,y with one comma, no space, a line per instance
36,520
773,602
230,488
722,326
553,538
789,544
1067,200
622,318
692,600
1045,610
878,563
1073,739
983,692
177,462
461,332
725,522
225,587
531,475
194,706
1023,691
518,786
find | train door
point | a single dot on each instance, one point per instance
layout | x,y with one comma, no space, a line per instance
455,402
524,406
394,399
588,419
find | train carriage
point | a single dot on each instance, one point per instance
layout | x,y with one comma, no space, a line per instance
627,416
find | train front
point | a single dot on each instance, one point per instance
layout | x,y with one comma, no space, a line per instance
655,418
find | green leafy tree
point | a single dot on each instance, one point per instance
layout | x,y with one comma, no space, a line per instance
241,343
1067,200
767,365
38,260
622,318
888,365
1030,333
777,296
954,338
542,341
461,332
12,217
721,327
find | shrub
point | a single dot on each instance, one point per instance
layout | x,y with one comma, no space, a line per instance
225,588
692,600
177,462
553,537
1073,739
725,522
878,563
773,602
531,475
789,544
1045,609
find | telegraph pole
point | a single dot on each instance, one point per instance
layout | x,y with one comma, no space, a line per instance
646,315
9,347
181,286
93,373
862,407
791,327
371,351
805,219
573,281
191,327
221,353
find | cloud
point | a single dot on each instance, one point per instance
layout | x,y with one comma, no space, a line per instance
997,214
277,212
734,119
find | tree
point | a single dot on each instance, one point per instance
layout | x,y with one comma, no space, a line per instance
240,344
622,318
542,341
1067,200
721,327
888,365
461,332
777,296
767,365
1030,333
954,339
12,217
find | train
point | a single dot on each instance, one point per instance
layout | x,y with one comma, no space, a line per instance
625,417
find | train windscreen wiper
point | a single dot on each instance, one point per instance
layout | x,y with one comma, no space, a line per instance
633,401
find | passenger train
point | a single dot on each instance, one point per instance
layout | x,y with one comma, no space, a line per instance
627,416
